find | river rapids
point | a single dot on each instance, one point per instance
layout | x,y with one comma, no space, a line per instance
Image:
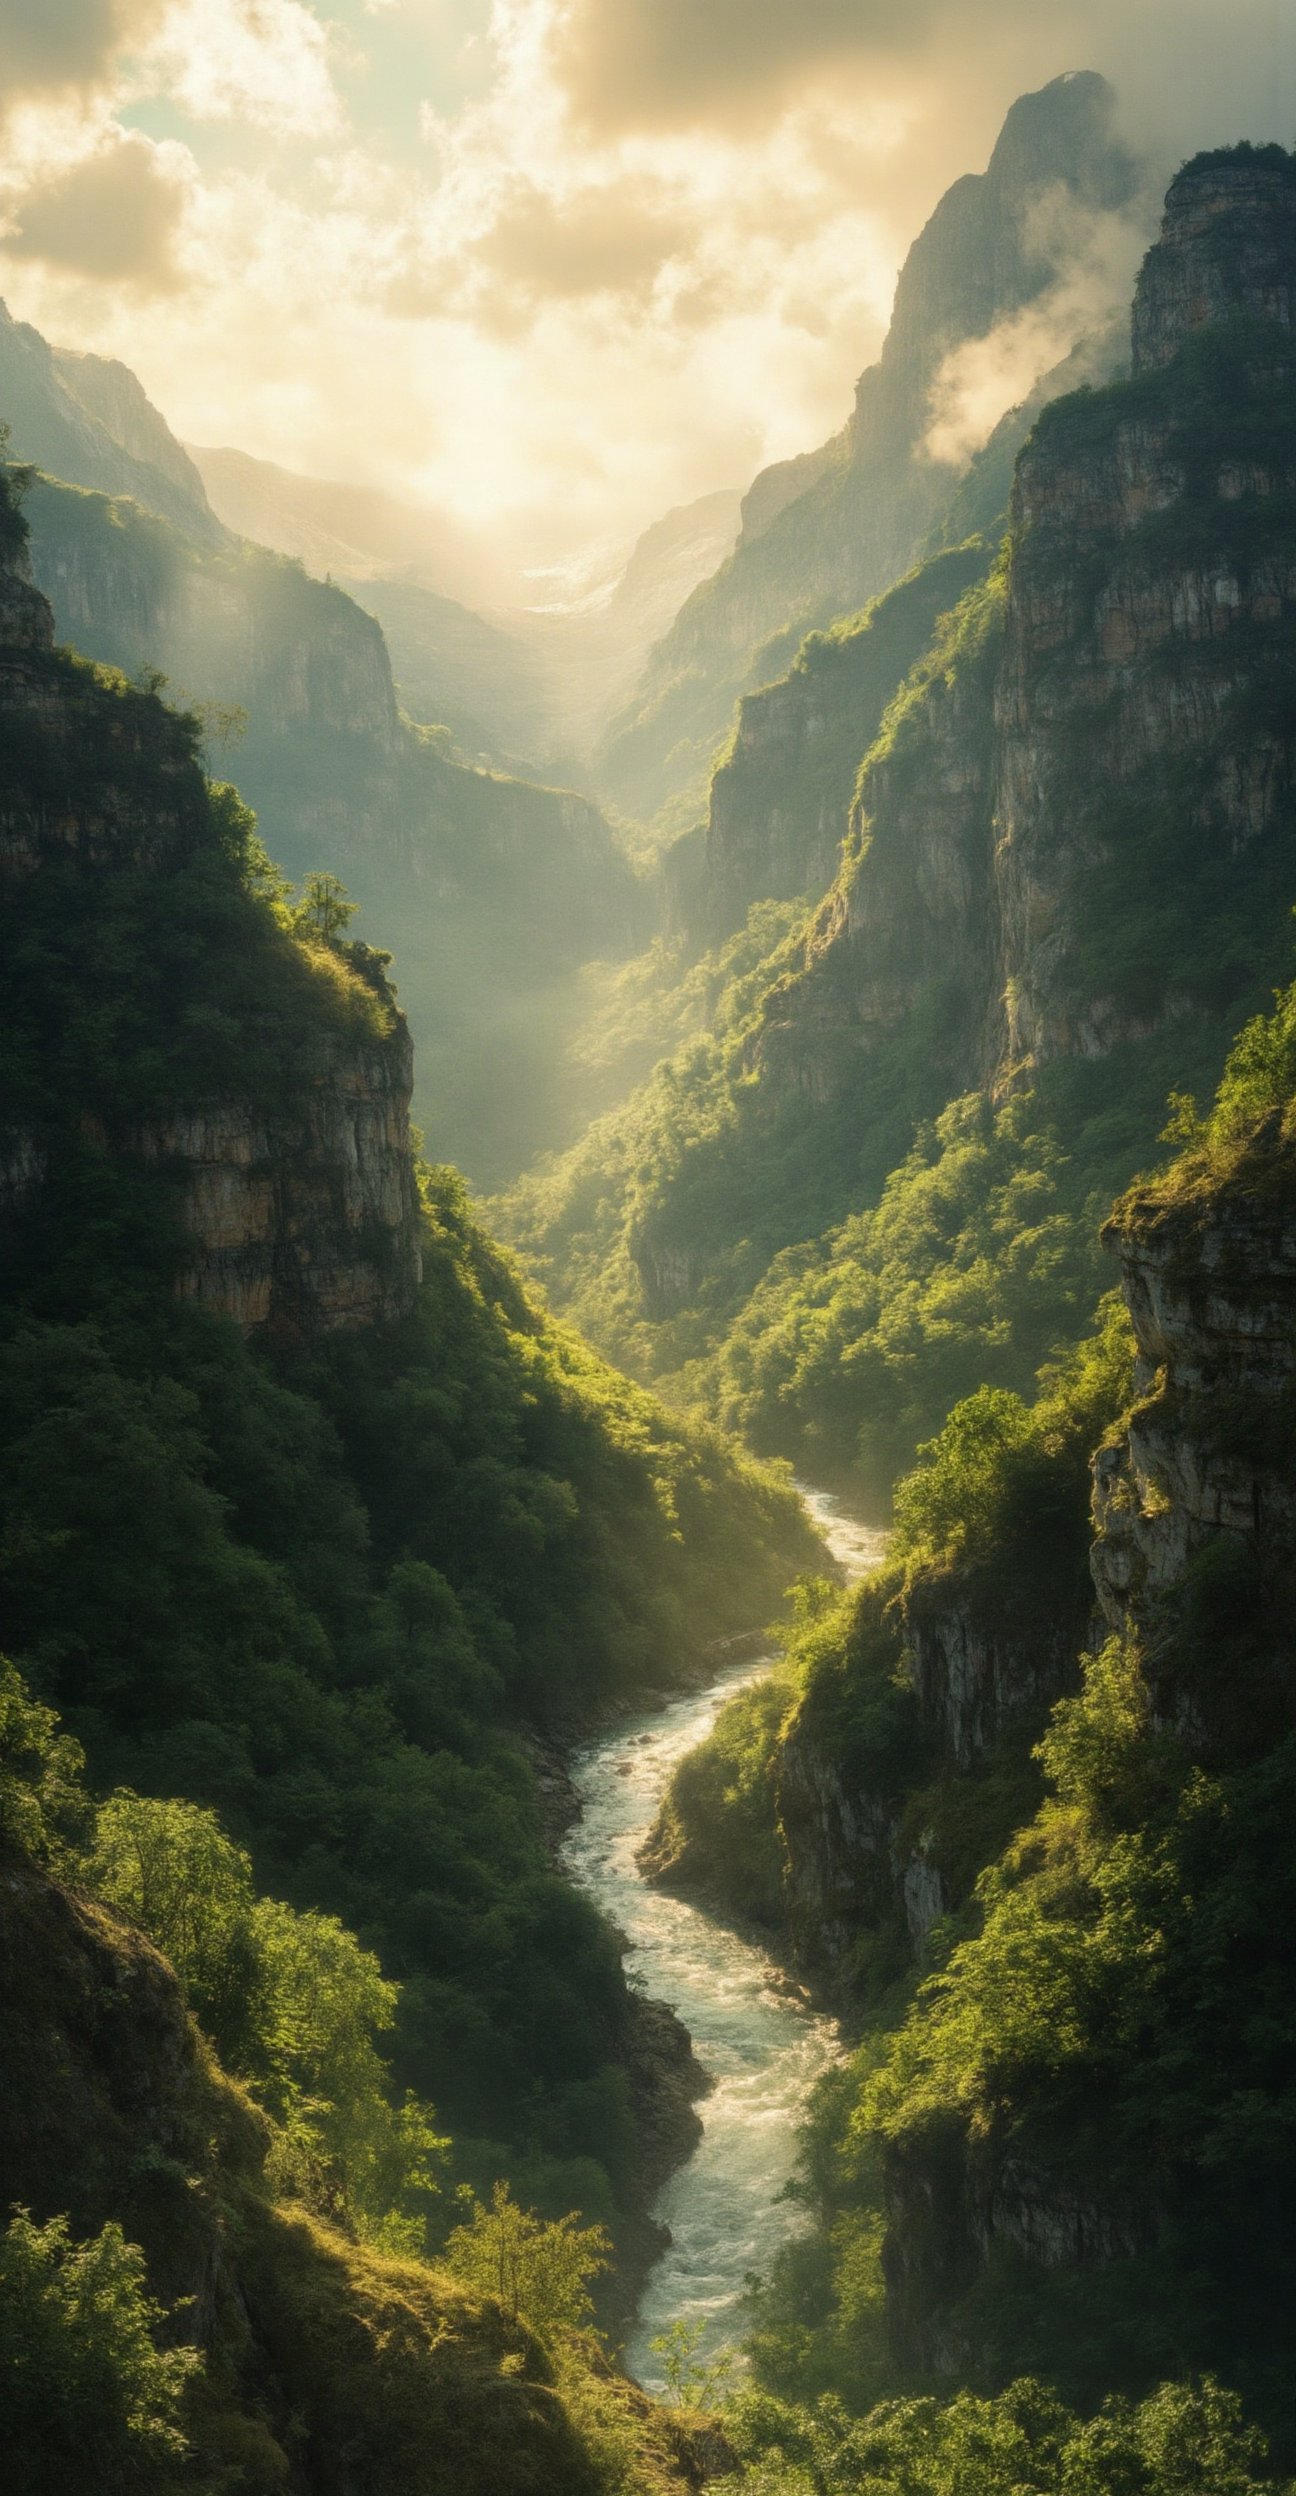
755,2037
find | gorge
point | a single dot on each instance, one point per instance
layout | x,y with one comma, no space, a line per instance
540,1954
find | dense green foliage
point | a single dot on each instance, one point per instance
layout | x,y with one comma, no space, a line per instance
1108,2014
1187,2439
294,2008
540,2274
501,890
312,1590
86,2396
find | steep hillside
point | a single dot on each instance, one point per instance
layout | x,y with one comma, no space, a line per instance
503,889
782,792
306,1506
1069,858
1039,1845
170,2317
88,420
825,533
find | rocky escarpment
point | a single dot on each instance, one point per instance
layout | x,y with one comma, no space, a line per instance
304,1220
1131,726
1225,252
780,800
1149,626
324,2366
1204,1464
1194,1536
884,1833
1076,831
822,535
290,1182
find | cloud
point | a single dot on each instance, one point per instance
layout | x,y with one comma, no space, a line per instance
607,238
53,46
263,62
1097,257
114,214
673,63
631,250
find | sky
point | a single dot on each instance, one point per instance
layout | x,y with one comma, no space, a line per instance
551,266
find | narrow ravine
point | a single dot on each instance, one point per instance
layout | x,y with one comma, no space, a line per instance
752,2033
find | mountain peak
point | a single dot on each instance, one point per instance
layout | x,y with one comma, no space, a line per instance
1227,250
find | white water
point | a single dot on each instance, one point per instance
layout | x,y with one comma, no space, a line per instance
750,2030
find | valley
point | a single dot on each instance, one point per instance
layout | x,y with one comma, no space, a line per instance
543,1955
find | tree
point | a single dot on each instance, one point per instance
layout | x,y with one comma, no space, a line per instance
88,2399
692,2381
539,2270
42,1800
324,910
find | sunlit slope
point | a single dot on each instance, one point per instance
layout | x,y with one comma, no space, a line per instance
1067,875
826,532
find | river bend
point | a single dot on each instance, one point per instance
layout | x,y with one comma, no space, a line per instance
754,2036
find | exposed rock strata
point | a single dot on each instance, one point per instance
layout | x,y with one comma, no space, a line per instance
1210,1281
823,533
298,1215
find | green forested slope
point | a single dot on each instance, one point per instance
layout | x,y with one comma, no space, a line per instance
1070,853
314,1586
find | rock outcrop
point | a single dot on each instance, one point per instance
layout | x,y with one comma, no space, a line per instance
306,1220
296,1200
823,534
1209,1276
1227,251
781,799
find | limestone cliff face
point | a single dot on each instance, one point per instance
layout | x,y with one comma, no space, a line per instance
1129,726
297,1203
822,534
781,800
1210,1281
303,1221
1151,599
1227,250
1203,1461
871,1847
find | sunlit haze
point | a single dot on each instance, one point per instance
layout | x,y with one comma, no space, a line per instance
550,266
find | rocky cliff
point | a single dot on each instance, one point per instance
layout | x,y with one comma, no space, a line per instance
1192,1557
326,2367
781,797
821,536
1074,835
1204,1463
503,888
292,1184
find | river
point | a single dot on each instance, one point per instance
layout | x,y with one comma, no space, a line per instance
760,2044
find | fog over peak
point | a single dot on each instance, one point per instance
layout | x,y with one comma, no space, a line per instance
552,265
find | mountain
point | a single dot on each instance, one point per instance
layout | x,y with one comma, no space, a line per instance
1023,1802
1064,881
314,1531
823,534
88,420
333,526
505,889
